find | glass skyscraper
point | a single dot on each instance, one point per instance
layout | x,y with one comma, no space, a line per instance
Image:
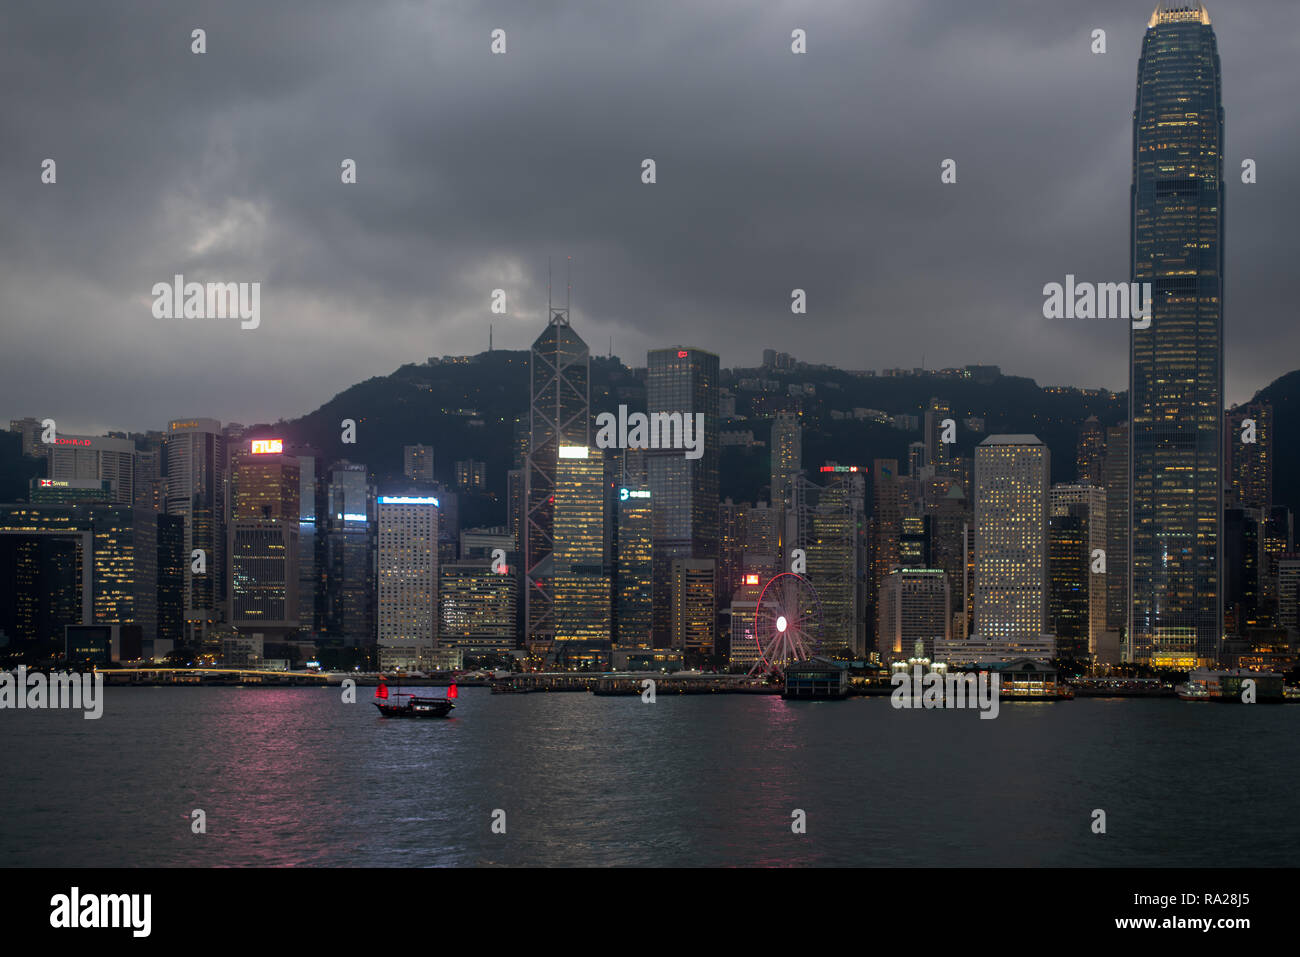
559,415
1176,363
683,492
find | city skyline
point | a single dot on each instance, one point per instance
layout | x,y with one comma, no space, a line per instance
345,315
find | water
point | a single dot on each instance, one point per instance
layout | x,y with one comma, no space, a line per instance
295,777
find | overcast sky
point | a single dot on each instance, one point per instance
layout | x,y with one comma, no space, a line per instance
775,171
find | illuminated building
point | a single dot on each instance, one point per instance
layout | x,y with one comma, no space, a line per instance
348,612
478,608
915,607
694,600
92,563
471,475
44,491
1116,475
684,492
97,458
936,450
1176,362
417,463
633,569
407,581
886,522
263,541
581,572
1076,542
194,451
1090,458
832,533
1011,502
1248,466
787,458
559,415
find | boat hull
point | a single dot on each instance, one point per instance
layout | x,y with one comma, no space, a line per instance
420,708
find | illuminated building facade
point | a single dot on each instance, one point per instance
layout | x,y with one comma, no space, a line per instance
263,542
477,607
195,462
915,606
1076,542
97,458
581,568
684,492
634,569
1176,362
1011,506
348,612
694,604
559,415
407,580
1248,456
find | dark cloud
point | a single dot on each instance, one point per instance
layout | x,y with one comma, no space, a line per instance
775,171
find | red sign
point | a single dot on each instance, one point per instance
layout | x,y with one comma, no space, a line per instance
681,354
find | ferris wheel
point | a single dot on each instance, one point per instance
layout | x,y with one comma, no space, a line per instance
787,623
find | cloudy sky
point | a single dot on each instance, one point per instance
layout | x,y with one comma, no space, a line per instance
775,171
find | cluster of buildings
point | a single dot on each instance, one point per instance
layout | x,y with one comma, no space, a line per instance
1166,548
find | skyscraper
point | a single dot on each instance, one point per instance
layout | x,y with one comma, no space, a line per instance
1176,362
683,492
348,611
1076,592
1248,456
407,580
263,542
559,415
580,562
1011,503
194,453
787,458
96,457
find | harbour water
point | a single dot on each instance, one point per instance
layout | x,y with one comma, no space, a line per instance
294,776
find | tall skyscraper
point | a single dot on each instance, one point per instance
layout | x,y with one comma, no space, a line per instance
634,568
1176,362
787,458
559,415
407,580
580,560
348,553
263,541
1077,593
194,453
1011,504
683,492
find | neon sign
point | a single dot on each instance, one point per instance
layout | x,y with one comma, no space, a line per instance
751,579
406,500
626,493
682,353
267,446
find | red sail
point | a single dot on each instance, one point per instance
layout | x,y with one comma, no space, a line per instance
452,692
381,691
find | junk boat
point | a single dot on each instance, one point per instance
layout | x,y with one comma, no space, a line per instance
412,706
